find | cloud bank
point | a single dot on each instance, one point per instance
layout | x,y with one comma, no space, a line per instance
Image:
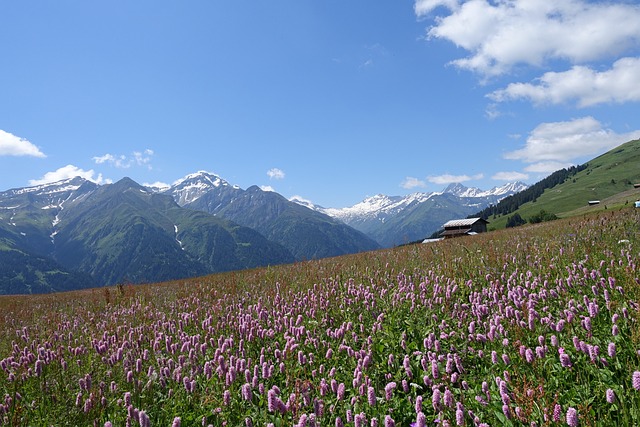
510,176
581,84
69,171
120,161
275,173
12,145
411,182
451,179
552,146
503,34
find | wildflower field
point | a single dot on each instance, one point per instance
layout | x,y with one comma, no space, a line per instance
536,326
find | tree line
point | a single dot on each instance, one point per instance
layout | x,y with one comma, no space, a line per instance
511,203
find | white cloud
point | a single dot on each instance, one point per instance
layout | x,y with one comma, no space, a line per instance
158,185
139,158
267,188
502,34
411,182
510,176
547,167
423,7
69,171
12,145
275,173
367,63
492,112
301,200
450,179
120,162
588,87
562,142
143,158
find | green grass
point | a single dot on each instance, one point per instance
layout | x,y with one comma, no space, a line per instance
423,317
606,176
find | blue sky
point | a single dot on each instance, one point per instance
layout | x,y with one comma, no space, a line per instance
330,100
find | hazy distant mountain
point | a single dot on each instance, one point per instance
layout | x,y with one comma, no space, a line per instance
306,233
393,220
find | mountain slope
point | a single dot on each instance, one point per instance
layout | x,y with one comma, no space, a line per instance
203,191
368,215
73,234
605,176
124,232
423,219
307,234
27,273
32,214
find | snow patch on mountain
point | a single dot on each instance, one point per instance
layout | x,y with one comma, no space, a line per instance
175,228
306,203
378,207
193,186
506,189
71,184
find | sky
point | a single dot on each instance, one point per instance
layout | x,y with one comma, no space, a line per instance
331,101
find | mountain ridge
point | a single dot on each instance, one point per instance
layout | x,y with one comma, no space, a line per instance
122,232
306,233
395,220
75,233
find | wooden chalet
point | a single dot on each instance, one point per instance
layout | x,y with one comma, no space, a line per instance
462,227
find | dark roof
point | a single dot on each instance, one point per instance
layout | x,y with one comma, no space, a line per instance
468,222
456,232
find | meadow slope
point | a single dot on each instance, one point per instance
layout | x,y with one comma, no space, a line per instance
532,326
608,178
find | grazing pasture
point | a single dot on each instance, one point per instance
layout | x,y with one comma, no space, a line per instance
534,326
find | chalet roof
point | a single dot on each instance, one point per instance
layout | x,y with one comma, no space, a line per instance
464,222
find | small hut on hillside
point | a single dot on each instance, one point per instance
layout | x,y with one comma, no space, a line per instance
462,227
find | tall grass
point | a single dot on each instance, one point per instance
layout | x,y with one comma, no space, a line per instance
529,326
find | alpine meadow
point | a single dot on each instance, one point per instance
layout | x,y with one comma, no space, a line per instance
320,213
535,325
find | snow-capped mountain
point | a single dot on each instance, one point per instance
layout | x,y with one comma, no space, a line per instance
45,205
194,186
78,232
307,233
379,207
74,233
504,190
393,220
46,196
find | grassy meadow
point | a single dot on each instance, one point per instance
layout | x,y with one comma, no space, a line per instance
609,178
531,326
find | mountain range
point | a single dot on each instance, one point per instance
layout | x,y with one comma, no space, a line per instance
308,234
116,233
75,234
395,220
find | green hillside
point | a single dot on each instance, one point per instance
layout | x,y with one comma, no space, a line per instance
609,178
